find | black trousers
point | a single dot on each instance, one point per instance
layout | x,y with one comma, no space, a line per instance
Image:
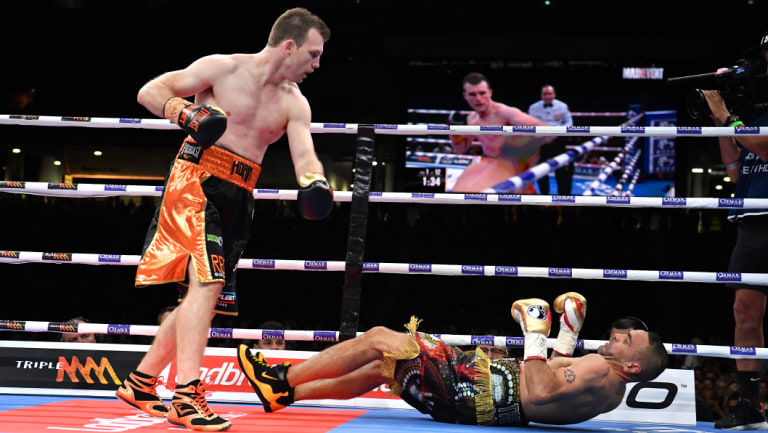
563,175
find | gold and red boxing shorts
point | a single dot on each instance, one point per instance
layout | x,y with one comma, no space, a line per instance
204,218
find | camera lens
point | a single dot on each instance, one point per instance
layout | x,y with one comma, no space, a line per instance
696,104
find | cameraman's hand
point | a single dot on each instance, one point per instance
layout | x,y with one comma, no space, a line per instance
716,105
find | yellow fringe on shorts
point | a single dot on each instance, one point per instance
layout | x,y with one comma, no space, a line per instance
409,351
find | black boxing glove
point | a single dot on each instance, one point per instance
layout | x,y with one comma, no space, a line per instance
204,123
315,197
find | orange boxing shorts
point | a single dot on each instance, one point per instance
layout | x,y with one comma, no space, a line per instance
204,218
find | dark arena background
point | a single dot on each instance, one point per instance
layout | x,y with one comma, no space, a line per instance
89,58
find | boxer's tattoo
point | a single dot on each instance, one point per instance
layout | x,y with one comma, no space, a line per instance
569,375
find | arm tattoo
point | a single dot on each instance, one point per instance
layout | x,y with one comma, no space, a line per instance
569,375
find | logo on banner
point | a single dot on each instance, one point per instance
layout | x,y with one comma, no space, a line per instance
560,272
10,254
615,273
129,120
632,129
577,129
530,129
24,116
87,370
665,402
482,339
119,329
318,265
423,195
472,269
515,342
507,271
221,333
728,276
432,127
741,130
115,187
67,186
563,199
62,327
617,200
683,348
75,118
511,197
730,202
324,336
63,257
693,130
109,258
477,197
491,128
11,324
263,264
673,201
419,267
670,275
11,184
371,266
738,350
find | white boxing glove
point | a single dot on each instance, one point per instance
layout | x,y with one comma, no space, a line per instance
535,319
573,309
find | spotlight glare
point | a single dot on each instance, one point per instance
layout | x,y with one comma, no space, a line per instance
57,162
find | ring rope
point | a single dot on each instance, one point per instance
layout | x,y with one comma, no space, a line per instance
434,129
611,167
515,183
734,352
631,186
573,113
82,190
17,257
630,168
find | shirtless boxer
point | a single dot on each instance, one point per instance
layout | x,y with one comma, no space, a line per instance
503,156
467,387
242,104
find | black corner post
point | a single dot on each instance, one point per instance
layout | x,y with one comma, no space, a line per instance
358,222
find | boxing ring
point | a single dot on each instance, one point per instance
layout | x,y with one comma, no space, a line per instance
68,386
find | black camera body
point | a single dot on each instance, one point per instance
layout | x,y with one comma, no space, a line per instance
744,89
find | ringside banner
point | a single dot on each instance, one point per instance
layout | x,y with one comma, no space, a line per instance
98,369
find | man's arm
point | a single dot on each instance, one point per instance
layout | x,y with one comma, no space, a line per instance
756,144
563,378
514,116
196,78
567,118
300,138
315,197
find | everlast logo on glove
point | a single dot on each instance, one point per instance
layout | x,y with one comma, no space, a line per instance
191,151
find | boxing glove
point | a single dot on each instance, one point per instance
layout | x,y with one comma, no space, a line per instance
572,308
315,198
204,123
535,319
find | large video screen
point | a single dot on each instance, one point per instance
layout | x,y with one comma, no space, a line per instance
619,166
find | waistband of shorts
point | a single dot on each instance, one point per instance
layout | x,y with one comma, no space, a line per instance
221,163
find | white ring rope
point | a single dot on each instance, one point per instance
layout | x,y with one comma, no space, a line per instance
573,113
333,336
515,183
761,279
631,186
82,190
629,169
436,129
611,167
